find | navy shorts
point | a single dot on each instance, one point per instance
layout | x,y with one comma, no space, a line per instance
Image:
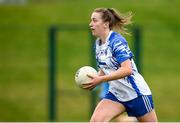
136,107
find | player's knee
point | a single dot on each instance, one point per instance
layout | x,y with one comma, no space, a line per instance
96,119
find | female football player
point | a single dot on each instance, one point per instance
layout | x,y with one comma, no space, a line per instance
128,91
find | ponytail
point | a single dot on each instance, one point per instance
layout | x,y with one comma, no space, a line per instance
116,20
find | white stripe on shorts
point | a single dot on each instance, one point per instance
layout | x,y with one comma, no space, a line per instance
147,103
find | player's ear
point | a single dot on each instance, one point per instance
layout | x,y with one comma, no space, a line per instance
106,25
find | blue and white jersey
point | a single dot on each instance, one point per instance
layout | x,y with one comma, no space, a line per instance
109,57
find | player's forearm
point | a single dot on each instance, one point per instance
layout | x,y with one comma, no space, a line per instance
120,73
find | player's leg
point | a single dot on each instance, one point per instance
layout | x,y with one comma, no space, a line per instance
149,117
107,110
124,118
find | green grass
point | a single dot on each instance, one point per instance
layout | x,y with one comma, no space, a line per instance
24,51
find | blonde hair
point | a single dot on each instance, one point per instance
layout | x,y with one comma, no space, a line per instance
116,20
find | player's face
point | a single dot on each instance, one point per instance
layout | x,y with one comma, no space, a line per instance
97,24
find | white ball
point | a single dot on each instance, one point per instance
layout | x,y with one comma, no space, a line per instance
81,75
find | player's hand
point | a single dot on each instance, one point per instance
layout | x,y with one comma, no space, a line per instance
95,80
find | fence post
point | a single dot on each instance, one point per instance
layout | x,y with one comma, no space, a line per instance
138,47
93,95
52,73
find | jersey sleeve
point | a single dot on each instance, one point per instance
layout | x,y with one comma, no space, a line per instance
121,50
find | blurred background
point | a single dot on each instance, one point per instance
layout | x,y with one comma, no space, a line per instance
24,55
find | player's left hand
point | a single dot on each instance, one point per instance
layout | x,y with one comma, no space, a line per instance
95,80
